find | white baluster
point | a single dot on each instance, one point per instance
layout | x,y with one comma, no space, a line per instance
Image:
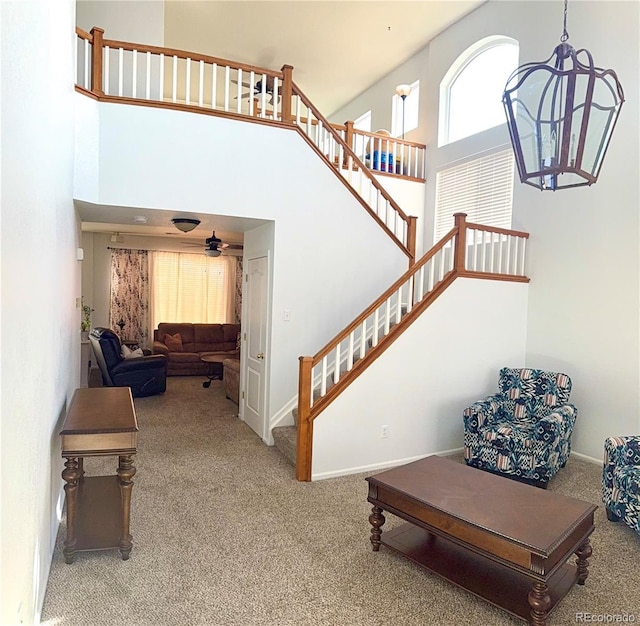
522,256
411,301
508,254
214,85
420,294
399,305
187,88
492,253
201,83
376,326
363,338
227,69
134,74
252,83
350,351
336,369
276,116
323,377
516,241
161,94
387,317
174,79
120,71
147,91
263,96
239,91
87,63
500,246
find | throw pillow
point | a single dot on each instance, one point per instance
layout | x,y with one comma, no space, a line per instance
174,342
128,353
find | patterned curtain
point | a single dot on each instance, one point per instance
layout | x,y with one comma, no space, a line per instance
129,308
238,291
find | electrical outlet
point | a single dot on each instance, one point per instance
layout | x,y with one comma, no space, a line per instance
384,431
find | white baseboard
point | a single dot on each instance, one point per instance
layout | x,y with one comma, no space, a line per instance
589,459
283,414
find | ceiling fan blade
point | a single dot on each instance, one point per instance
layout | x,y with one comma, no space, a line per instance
247,85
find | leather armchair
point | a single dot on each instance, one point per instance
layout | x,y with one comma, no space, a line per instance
146,375
523,431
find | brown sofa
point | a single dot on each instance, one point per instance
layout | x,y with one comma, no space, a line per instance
218,340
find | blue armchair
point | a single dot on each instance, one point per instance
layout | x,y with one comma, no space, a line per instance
523,431
621,480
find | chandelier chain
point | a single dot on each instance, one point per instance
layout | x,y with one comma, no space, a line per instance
565,34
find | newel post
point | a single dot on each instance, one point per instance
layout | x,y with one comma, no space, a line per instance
287,92
96,60
411,238
305,427
461,242
348,139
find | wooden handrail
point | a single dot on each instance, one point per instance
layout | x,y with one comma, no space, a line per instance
497,230
83,34
397,140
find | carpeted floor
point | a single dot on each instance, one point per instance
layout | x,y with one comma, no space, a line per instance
223,535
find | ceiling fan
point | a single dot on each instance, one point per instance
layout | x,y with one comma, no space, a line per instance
269,89
214,246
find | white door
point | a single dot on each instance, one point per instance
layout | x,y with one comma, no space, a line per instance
256,301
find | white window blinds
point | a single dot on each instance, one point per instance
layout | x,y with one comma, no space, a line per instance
481,188
191,288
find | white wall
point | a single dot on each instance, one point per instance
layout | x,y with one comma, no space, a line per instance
446,360
40,281
583,253
330,259
138,21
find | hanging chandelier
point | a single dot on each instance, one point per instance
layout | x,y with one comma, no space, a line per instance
561,114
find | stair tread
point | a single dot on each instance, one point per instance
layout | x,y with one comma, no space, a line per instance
285,440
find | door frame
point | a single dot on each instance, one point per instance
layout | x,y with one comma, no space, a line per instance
243,352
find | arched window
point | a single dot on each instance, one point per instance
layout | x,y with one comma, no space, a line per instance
471,91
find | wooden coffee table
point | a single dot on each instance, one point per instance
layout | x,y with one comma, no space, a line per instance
502,540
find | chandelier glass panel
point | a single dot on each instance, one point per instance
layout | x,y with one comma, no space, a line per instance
561,114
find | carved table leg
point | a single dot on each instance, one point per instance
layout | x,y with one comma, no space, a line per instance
583,553
70,475
540,603
126,472
376,519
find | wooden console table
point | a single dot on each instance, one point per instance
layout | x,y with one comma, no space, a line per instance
503,541
101,421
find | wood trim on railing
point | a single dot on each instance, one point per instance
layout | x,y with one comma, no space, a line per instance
460,250
500,231
188,108
83,34
194,56
96,60
305,427
398,140
287,93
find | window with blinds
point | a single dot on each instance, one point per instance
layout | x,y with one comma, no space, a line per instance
191,288
482,188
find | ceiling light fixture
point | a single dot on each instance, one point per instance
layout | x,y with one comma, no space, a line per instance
561,119
403,91
212,252
140,219
185,224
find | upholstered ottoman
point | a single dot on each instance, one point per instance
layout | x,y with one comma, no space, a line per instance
231,378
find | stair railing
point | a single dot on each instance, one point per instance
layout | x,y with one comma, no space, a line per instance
133,73
330,146
468,250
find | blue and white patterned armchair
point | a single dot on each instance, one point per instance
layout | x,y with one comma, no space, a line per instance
621,480
523,431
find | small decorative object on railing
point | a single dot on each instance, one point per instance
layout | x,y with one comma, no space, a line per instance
561,119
